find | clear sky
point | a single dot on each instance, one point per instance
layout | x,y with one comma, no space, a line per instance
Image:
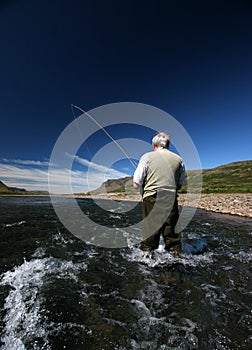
192,59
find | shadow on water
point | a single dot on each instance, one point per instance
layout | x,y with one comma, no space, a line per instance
57,292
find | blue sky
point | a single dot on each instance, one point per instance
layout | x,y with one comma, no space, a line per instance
191,59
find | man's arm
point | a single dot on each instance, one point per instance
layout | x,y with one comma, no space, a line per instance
140,172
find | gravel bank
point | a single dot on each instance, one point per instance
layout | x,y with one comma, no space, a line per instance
235,204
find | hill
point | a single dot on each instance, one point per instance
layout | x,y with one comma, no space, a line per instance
230,178
4,189
113,186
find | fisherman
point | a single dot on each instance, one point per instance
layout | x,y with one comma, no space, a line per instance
159,175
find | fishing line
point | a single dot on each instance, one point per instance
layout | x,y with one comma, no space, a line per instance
107,133
79,129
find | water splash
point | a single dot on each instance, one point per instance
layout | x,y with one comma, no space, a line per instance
25,318
161,257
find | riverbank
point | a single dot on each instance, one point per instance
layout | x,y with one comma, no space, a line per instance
234,204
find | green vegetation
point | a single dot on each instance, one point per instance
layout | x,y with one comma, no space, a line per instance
117,190
230,178
4,189
13,191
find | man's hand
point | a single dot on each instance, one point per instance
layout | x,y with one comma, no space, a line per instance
135,185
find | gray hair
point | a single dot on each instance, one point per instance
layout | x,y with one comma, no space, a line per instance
161,140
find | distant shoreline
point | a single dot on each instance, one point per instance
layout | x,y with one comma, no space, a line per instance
239,204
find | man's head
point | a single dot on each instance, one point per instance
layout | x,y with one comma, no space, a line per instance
161,140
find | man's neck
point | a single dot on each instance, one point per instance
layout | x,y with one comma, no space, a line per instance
158,148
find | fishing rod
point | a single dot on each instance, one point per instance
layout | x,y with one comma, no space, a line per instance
106,132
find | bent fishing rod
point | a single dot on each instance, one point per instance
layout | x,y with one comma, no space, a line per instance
106,132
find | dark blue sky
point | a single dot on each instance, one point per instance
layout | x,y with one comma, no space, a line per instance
191,59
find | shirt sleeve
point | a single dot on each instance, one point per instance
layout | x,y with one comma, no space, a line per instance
141,170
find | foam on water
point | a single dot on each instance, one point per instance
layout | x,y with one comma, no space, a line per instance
25,319
161,257
14,224
60,239
155,324
23,305
242,256
194,250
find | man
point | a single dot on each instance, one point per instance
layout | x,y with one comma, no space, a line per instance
159,175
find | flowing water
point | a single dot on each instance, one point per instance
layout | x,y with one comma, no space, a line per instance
57,292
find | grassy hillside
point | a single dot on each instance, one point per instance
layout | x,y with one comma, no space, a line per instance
230,178
3,188
6,190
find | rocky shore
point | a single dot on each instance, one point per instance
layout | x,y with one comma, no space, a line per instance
234,204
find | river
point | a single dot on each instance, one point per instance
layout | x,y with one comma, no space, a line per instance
58,292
